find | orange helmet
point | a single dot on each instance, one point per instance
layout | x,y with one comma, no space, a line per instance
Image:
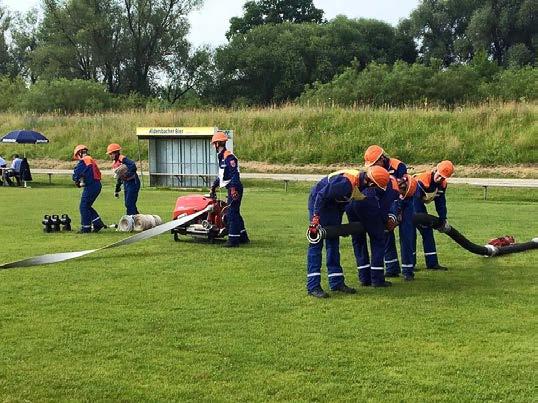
77,150
411,187
219,137
113,147
372,154
445,169
379,175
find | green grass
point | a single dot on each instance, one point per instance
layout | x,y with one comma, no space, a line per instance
487,135
166,321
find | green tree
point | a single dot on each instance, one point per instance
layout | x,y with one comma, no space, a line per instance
439,27
506,29
273,63
260,12
5,57
24,35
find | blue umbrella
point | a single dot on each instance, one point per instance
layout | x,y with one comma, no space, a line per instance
24,137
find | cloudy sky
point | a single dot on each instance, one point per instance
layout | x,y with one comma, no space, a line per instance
210,23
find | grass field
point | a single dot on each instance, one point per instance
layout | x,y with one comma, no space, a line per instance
188,321
486,135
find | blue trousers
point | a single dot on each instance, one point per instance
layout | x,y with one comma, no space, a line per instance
131,189
88,215
407,243
329,215
428,241
373,273
236,225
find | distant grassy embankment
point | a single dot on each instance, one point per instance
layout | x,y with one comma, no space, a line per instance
488,135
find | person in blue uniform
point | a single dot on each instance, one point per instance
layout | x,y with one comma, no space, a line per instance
432,186
229,178
326,205
88,176
375,155
125,175
397,204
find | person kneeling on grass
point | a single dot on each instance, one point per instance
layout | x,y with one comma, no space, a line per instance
326,205
88,176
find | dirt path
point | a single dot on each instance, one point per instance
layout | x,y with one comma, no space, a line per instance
529,171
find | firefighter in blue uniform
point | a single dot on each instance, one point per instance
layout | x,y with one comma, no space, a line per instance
369,211
432,186
375,155
229,178
397,204
326,205
128,177
88,176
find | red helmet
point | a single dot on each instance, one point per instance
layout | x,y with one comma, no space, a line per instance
77,150
372,154
219,137
379,175
445,169
113,147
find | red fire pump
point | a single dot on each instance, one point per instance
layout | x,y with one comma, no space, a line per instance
210,225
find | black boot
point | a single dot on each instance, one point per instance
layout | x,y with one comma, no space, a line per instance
345,289
318,293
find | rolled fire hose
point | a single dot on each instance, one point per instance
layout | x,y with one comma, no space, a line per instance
126,223
60,257
335,231
143,222
430,221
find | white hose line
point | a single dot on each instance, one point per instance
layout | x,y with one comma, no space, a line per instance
63,256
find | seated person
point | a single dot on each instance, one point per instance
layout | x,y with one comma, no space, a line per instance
14,171
3,164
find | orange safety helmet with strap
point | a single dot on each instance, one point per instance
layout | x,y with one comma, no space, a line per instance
411,186
379,175
113,147
219,137
445,169
77,150
372,154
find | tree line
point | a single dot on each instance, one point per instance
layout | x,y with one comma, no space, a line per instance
86,55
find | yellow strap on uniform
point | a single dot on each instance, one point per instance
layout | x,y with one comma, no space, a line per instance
428,197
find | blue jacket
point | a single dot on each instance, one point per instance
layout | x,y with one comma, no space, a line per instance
228,171
429,190
88,170
338,188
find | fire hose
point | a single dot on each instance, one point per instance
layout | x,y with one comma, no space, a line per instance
334,231
430,221
63,256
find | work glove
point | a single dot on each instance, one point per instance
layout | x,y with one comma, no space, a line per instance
443,226
314,225
234,193
391,223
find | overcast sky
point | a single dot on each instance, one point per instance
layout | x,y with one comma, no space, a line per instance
210,23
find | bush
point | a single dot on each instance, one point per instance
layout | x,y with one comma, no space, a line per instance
10,92
66,96
404,84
